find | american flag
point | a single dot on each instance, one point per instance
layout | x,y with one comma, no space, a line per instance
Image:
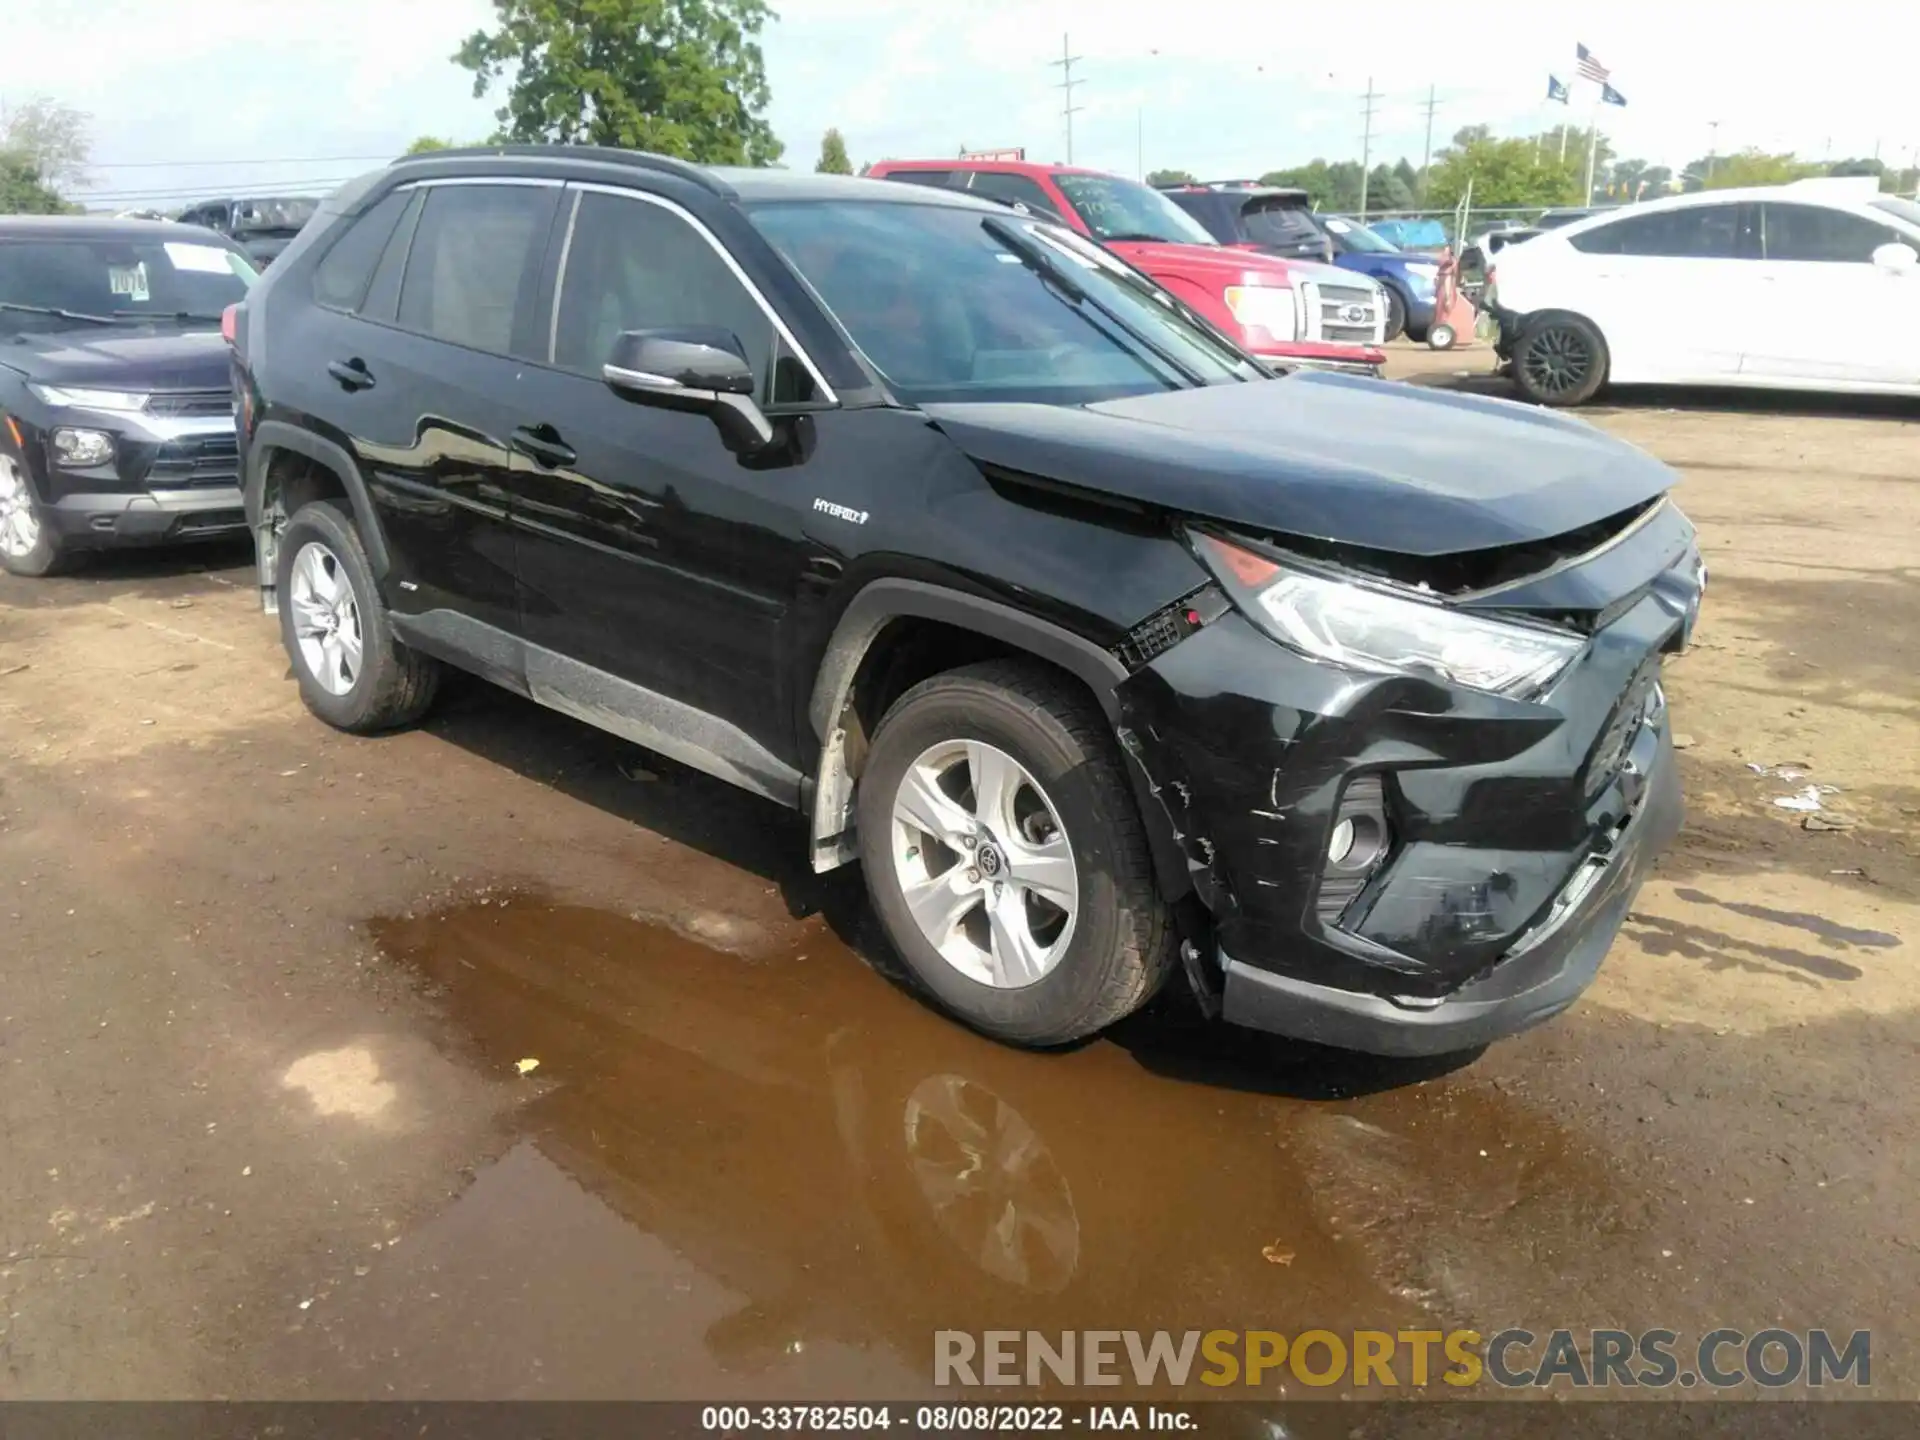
1590,67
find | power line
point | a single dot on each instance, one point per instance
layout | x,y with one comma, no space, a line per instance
209,164
1367,107
1068,109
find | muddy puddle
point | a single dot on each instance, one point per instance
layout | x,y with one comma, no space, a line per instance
767,1168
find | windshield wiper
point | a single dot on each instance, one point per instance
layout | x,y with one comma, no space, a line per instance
1037,259
164,315
54,310
1136,237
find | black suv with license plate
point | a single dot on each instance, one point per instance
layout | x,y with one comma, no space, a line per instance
1110,655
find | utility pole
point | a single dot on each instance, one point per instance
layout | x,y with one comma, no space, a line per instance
1068,109
1426,155
1713,145
1366,144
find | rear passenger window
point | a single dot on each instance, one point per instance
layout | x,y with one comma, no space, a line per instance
1813,232
1696,232
344,272
1013,189
634,265
472,268
1279,224
936,179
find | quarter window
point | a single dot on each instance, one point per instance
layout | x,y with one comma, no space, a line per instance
1813,232
472,265
341,278
1695,232
634,265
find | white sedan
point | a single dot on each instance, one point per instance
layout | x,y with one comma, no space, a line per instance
1808,286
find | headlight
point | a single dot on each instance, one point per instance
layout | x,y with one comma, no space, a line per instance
1265,307
1422,278
120,400
81,448
1363,628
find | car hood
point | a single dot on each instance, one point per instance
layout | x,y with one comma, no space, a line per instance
1213,266
1377,464
133,358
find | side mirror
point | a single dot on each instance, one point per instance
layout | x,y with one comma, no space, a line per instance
701,369
1897,258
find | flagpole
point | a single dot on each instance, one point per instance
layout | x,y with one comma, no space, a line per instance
1563,140
1593,146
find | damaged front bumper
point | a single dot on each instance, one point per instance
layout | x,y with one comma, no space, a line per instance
1516,832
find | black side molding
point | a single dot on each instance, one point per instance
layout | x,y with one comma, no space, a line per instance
272,435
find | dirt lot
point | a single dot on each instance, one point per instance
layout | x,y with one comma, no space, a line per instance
263,989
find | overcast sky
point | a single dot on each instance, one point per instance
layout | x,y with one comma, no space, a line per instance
196,97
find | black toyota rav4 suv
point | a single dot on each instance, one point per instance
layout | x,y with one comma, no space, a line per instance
116,411
1107,652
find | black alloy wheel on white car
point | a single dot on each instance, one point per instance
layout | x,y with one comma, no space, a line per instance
1559,359
1005,857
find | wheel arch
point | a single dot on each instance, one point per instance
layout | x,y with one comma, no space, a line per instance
850,692
287,467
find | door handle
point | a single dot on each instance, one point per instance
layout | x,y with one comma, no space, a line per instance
542,444
352,374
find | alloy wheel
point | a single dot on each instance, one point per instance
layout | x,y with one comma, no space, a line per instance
19,526
326,618
984,865
1557,360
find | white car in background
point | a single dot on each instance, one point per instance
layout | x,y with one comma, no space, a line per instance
1809,286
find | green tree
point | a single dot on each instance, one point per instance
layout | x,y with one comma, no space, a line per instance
1506,173
21,190
1756,167
833,155
679,77
1408,177
427,144
53,138
1866,165
1171,177
1386,190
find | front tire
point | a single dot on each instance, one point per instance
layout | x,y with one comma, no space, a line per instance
353,673
1005,856
1396,315
1559,360
28,544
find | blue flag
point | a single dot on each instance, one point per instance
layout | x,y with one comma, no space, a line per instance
1557,89
1611,96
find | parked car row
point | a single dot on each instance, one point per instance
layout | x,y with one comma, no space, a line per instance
1295,312
263,225
1112,654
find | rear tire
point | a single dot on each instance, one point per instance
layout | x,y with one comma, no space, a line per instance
1559,360
353,672
28,544
1005,962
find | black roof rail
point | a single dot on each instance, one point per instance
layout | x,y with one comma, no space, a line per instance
598,154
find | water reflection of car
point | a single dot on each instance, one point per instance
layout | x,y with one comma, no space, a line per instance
1296,313
114,385
264,225
1282,221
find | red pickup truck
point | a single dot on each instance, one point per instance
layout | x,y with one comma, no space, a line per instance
1285,311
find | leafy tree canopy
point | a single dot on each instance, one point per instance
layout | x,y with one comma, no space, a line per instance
21,190
678,77
833,155
1171,177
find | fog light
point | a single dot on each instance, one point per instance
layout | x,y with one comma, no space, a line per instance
81,448
1342,843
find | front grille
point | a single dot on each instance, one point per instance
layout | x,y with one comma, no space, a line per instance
1610,752
1343,314
191,402
195,460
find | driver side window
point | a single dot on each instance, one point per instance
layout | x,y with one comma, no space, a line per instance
635,265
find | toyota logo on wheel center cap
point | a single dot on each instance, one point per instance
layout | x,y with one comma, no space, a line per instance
989,861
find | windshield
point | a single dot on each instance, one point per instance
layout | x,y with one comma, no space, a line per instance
119,280
280,212
1117,209
947,309
1906,210
1361,238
